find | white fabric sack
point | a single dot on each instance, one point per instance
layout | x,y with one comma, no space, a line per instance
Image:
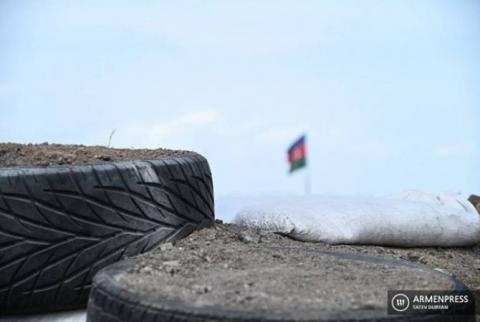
413,219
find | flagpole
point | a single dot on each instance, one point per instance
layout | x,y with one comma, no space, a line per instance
307,182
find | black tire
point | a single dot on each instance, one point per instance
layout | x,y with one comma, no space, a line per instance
60,225
110,301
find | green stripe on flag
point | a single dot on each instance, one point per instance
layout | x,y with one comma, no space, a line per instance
298,164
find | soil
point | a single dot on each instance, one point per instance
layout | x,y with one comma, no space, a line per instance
45,154
245,269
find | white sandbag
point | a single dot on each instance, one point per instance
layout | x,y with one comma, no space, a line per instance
413,219
451,200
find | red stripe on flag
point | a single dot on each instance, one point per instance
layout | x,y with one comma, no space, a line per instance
297,153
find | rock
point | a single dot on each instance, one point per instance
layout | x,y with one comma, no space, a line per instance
103,157
444,271
166,246
202,289
367,305
423,259
147,270
476,264
413,257
247,238
278,256
171,263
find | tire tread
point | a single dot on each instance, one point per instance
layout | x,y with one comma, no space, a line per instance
60,225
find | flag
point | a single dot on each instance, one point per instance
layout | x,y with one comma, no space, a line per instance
297,154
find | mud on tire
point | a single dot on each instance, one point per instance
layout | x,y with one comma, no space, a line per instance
60,225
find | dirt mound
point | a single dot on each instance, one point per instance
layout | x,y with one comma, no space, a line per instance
232,273
27,155
242,268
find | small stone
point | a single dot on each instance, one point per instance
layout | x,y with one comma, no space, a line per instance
102,157
202,289
444,271
173,271
166,246
423,260
412,257
368,305
278,256
146,270
171,263
247,238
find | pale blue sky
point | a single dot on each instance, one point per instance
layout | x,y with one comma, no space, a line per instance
388,91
